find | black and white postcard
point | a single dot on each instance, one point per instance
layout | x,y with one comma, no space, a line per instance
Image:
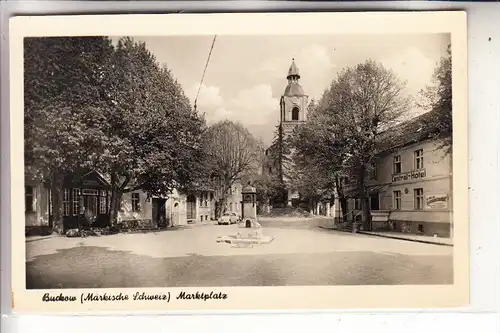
239,161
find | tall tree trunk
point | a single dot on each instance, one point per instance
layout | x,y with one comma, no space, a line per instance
364,198
343,205
115,201
56,193
51,217
366,213
342,199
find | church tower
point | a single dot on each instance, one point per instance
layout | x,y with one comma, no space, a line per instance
293,113
293,102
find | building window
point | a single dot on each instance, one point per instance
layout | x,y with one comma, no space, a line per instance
29,199
230,206
205,199
397,164
136,203
76,201
397,200
102,205
357,204
295,113
346,180
419,198
65,202
419,159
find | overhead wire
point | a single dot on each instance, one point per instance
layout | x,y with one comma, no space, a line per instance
204,71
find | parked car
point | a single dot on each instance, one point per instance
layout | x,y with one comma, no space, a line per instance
228,218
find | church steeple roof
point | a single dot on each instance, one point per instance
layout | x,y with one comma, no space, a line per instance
293,71
293,88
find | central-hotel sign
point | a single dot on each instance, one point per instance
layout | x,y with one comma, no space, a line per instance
411,175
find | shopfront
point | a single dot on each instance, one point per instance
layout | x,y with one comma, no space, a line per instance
85,201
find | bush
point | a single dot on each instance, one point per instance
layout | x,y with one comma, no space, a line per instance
38,231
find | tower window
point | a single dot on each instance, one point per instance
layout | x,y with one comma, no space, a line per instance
295,113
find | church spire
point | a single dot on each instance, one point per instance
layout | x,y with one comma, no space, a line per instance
293,71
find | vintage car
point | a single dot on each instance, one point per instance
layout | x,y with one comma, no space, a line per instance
228,218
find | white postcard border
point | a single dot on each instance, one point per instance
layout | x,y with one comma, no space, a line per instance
250,298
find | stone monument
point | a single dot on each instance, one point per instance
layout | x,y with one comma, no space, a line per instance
251,232
249,206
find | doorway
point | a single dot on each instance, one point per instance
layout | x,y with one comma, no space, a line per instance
90,204
159,212
191,207
374,202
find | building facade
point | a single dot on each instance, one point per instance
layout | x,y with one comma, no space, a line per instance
411,185
234,200
86,200
418,190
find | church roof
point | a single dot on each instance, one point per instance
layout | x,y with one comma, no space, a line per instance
293,89
293,70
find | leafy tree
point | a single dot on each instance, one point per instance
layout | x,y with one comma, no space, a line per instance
115,109
438,97
318,157
233,155
273,184
62,81
342,138
152,136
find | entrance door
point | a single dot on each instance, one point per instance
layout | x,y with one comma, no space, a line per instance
175,214
374,202
159,212
191,207
90,204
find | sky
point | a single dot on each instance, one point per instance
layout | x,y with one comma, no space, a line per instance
246,75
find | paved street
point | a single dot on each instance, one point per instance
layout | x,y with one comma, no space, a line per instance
300,254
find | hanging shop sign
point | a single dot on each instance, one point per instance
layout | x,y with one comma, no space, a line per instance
411,175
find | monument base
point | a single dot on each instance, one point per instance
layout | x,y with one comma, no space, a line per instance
245,241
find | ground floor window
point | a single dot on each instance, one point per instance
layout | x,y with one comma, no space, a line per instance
102,205
76,201
397,200
29,199
65,202
136,205
357,204
418,198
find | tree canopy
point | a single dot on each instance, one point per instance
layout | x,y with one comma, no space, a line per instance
342,134
438,97
232,154
94,104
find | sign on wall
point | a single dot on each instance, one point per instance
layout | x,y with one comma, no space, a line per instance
436,201
411,175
